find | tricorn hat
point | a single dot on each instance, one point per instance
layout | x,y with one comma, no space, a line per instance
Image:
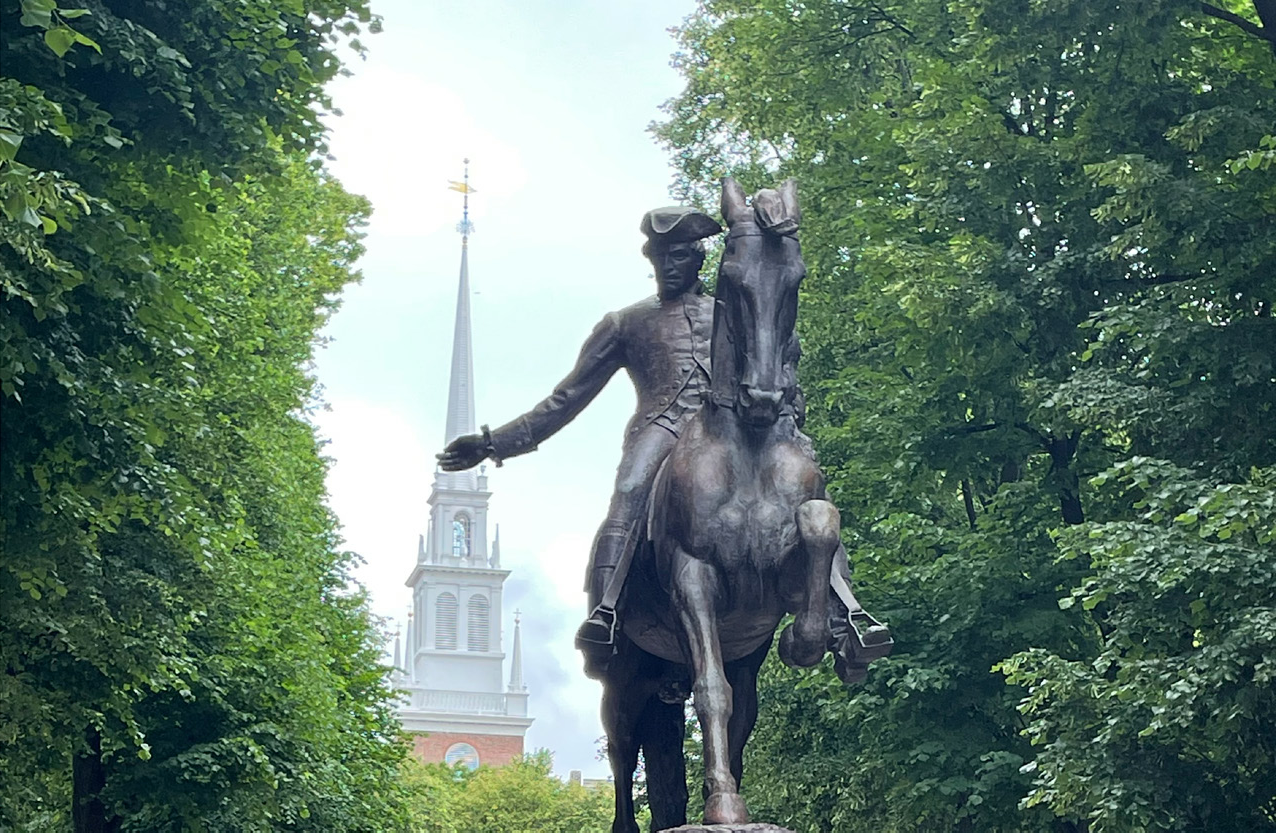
678,224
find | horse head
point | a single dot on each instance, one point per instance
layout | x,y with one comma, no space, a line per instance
754,347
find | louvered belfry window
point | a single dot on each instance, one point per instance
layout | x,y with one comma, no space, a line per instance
477,620
445,622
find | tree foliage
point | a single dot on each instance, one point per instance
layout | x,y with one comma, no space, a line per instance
523,795
1038,353
182,645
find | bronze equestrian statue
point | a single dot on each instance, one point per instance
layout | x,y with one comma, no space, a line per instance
741,534
737,531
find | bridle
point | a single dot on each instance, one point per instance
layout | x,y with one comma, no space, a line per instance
748,228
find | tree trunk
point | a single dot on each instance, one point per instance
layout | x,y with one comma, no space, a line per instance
1062,450
968,497
88,777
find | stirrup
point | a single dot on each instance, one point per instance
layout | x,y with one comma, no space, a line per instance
598,630
872,638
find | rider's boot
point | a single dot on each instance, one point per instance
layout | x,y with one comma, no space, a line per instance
596,637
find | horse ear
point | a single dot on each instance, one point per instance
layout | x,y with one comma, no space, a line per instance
733,206
788,195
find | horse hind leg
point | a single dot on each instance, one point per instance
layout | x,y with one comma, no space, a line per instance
661,732
695,589
802,644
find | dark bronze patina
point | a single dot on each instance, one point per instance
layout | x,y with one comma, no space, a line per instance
719,519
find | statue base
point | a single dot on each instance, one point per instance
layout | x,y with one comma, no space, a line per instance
751,827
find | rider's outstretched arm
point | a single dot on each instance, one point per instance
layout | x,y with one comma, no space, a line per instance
600,357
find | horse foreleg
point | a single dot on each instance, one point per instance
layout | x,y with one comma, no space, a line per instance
743,676
695,590
661,732
803,643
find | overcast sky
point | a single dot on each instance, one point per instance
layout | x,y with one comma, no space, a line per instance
550,101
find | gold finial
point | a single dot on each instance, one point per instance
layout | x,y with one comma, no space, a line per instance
465,227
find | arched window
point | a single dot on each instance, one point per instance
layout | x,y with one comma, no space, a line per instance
463,754
445,622
461,535
477,620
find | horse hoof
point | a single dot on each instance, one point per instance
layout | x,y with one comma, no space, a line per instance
725,808
797,653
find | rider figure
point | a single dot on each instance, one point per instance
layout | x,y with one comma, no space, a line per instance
663,342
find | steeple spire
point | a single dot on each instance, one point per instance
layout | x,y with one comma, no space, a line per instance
516,664
460,396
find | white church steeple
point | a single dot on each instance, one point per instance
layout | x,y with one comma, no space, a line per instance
455,652
460,392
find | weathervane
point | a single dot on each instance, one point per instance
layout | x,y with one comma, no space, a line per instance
465,227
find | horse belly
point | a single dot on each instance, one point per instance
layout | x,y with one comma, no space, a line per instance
740,633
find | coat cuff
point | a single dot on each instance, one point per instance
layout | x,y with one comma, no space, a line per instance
512,439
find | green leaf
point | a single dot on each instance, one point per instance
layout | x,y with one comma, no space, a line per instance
60,39
9,144
85,40
37,13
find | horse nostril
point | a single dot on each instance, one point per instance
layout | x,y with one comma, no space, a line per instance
760,402
757,396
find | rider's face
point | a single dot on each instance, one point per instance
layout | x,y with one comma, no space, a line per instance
677,267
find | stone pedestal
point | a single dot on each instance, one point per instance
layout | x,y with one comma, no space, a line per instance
751,827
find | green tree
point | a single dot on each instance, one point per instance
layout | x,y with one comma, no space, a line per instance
1040,248
521,796
182,646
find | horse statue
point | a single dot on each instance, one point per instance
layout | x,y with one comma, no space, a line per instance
739,534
